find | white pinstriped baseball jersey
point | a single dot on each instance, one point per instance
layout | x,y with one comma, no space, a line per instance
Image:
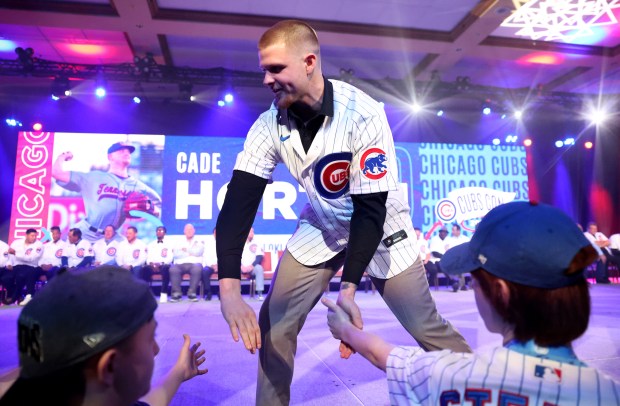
352,153
497,377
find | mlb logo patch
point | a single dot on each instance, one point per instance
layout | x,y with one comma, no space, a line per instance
547,373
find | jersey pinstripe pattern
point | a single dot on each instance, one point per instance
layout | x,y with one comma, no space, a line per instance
357,133
499,376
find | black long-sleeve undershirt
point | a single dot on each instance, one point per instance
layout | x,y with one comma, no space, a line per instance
235,220
365,234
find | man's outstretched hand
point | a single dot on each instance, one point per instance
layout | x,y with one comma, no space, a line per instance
239,315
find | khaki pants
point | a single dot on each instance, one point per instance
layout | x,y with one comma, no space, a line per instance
297,288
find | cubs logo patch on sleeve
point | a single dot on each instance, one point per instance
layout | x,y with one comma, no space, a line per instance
373,163
331,175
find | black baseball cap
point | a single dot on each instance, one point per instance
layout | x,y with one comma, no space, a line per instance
120,145
78,315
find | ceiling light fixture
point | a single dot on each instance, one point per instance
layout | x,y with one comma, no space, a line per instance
61,88
562,20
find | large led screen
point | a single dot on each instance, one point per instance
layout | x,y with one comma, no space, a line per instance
185,178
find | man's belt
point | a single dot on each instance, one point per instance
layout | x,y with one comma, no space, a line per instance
95,230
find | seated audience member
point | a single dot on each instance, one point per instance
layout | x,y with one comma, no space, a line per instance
422,245
603,242
187,259
78,253
88,338
7,276
454,239
105,248
614,244
158,260
538,303
251,263
209,267
51,260
437,247
26,253
599,240
131,254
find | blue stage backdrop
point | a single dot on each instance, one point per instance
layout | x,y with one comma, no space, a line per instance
442,183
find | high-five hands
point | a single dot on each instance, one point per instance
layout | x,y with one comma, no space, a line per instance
339,321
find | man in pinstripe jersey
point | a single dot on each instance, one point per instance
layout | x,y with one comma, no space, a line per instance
538,303
335,140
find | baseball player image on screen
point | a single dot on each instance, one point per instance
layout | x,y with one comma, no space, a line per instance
109,197
539,304
336,142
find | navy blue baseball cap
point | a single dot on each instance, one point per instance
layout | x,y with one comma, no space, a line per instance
523,242
119,145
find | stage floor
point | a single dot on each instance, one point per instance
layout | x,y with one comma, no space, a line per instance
321,377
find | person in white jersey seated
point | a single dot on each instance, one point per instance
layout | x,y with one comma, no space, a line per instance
538,303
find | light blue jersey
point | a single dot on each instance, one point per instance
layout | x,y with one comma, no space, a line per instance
104,197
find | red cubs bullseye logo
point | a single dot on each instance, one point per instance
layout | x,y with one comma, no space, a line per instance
331,175
111,251
373,163
335,176
445,210
58,253
164,252
136,254
80,253
29,251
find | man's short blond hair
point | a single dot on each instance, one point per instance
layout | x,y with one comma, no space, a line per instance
294,34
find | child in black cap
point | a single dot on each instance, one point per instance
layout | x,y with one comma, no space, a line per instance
89,339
